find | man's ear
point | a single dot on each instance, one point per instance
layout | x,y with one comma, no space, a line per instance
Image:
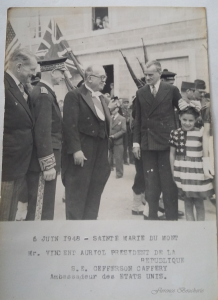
19,65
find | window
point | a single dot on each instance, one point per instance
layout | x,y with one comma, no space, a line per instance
100,18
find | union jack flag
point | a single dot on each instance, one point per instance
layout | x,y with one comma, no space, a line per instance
53,45
12,43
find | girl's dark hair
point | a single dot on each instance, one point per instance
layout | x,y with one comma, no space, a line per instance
190,111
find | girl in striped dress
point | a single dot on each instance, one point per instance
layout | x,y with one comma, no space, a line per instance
187,165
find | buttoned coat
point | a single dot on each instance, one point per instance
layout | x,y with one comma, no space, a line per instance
155,117
118,129
48,126
18,132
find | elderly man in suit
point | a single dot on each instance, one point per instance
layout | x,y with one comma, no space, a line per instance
18,136
46,157
154,120
117,131
86,123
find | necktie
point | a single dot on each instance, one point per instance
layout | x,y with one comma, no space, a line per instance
21,87
154,91
98,108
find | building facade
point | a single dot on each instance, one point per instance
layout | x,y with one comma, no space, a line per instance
177,37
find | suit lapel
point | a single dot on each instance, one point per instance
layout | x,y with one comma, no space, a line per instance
149,98
105,108
86,94
13,88
161,94
116,121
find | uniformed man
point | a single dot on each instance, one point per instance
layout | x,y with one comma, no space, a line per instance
168,77
45,161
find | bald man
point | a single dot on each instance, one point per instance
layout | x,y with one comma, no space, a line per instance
85,167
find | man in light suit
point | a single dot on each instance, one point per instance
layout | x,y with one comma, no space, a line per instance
117,130
85,166
18,137
154,120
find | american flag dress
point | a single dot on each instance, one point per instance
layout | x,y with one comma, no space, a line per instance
188,165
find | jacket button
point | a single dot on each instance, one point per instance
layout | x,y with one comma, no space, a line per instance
93,131
88,118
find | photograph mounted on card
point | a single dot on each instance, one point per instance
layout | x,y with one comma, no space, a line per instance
108,119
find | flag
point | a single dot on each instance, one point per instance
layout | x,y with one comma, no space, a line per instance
139,83
53,44
12,43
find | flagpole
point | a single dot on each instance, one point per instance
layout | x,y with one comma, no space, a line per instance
75,62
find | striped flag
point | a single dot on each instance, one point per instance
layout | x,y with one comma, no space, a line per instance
54,44
12,43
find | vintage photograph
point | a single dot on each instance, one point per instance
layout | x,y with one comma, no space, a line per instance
107,115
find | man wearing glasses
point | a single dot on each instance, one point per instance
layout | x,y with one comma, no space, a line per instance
85,166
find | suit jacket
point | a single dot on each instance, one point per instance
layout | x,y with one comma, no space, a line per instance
79,119
117,129
155,118
18,136
48,126
79,116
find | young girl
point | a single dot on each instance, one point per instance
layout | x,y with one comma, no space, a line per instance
187,166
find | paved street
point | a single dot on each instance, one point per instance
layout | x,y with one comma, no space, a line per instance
116,199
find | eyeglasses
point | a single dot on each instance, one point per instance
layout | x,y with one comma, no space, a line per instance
103,77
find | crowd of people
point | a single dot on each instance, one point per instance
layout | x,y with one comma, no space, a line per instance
163,132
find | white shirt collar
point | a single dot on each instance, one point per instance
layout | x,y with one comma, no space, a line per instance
94,94
14,77
48,84
157,85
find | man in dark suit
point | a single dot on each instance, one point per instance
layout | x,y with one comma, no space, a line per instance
18,137
117,131
86,123
154,120
46,156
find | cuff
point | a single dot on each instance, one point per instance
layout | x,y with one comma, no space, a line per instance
47,163
135,145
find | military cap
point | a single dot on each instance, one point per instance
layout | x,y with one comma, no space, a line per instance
167,74
187,86
200,84
53,64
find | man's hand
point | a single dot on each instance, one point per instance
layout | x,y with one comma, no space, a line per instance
111,136
50,174
137,152
182,104
208,171
196,104
79,158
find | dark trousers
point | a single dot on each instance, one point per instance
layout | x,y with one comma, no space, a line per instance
116,153
46,192
84,185
139,181
127,144
159,178
11,193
